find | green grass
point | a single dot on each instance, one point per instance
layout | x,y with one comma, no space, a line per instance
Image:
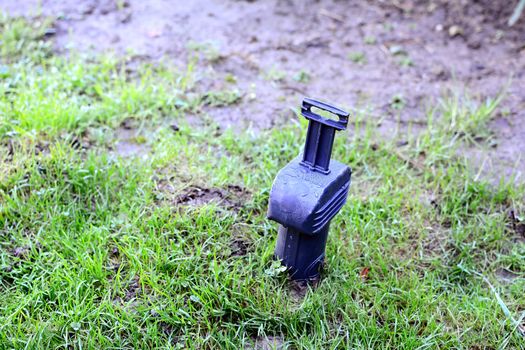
357,57
101,251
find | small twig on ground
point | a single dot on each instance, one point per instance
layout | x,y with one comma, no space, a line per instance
516,14
402,7
326,13
293,88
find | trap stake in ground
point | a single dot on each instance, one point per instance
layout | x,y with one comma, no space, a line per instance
308,192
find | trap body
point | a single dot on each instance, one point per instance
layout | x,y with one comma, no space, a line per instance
307,193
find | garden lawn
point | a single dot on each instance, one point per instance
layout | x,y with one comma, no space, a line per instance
124,226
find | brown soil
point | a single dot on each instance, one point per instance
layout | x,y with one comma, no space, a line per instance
516,225
129,142
392,58
269,343
506,276
232,198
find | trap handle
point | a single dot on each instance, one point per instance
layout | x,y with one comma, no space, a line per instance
320,134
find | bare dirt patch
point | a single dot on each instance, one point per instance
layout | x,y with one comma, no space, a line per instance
233,197
240,242
133,290
506,276
392,59
20,252
436,240
270,343
239,246
515,224
130,144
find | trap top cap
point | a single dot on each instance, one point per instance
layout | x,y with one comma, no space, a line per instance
306,111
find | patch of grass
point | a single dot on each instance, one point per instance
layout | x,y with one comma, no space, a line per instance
221,98
405,61
398,102
97,251
74,95
230,78
370,40
402,57
275,74
21,39
467,117
302,77
357,57
208,50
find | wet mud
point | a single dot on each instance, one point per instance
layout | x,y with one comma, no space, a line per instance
391,60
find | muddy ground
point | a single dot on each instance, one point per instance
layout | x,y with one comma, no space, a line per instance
391,58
